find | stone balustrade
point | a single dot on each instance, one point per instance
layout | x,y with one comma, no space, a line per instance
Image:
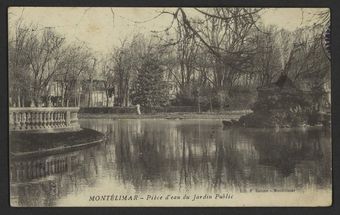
43,118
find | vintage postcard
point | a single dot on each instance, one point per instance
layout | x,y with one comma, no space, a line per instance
178,106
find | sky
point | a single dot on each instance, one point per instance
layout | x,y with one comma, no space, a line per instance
103,28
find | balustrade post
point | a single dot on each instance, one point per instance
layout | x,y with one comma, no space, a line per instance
15,120
23,120
68,118
11,121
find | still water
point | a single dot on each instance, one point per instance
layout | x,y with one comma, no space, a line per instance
153,156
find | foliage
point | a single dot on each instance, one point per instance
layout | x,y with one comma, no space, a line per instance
214,61
150,90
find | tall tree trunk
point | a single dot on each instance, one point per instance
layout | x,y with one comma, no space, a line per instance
90,92
107,98
62,95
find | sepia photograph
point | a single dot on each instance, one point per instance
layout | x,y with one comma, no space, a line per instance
169,107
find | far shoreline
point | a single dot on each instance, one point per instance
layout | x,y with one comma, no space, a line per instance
175,115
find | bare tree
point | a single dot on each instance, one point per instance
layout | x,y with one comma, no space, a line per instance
75,67
19,66
107,72
44,52
225,33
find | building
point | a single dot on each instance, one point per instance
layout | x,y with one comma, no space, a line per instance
95,93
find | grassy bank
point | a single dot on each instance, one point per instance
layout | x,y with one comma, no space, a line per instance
22,143
176,115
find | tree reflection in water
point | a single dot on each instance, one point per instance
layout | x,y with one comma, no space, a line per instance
183,156
189,155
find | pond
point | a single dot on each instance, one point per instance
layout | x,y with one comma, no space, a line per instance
158,157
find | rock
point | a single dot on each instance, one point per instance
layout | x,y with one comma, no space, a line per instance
227,123
233,121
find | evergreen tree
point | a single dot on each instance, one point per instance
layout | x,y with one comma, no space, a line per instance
150,89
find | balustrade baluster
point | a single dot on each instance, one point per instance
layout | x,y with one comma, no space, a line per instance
24,168
48,119
37,172
57,118
35,120
63,116
29,120
18,120
58,165
40,120
11,173
23,121
52,165
44,119
48,168
53,119
34,169
19,171
42,168
29,170
61,119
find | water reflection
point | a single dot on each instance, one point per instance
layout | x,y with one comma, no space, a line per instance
42,181
186,155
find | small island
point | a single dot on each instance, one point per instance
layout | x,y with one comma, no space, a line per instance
284,105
